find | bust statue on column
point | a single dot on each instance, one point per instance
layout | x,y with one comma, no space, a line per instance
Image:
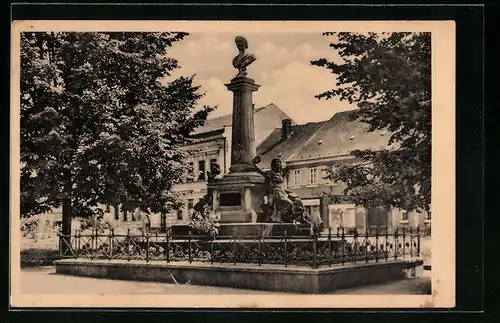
243,59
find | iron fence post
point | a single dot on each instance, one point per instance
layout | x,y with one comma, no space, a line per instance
93,243
329,247
77,242
418,241
342,246
128,244
367,242
386,254
411,241
142,243
395,239
168,245
189,246
286,258
90,244
212,237
315,260
156,243
355,244
147,247
74,242
376,244
65,244
234,246
59,234
404,242
259,245
110,254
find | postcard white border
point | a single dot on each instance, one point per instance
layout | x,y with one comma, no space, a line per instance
443,169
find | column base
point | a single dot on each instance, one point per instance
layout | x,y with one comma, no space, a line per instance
238,197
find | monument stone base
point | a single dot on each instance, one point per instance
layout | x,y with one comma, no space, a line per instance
238,197
247,276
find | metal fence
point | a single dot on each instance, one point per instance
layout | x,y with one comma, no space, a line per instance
315,250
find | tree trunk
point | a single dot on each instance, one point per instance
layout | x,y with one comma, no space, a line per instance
163,222
68,183
125,215
67,214
117,212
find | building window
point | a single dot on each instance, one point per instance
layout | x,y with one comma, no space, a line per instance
179,214
190,204
295,180
313,176
201,170
404,216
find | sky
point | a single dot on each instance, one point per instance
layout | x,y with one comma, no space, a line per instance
283,70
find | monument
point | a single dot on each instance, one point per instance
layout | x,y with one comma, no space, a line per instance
238,195
247,197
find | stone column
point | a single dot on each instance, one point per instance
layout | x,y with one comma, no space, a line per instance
243,148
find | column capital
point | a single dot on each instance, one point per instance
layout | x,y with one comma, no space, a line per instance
242,82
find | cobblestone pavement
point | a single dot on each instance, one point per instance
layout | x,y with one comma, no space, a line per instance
43,280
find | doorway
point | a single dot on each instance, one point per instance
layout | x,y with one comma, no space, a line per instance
377,218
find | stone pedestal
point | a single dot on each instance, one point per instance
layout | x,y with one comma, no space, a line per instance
238,195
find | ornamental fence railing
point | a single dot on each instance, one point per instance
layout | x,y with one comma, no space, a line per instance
315,250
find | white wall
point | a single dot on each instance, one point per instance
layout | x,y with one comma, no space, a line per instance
342,214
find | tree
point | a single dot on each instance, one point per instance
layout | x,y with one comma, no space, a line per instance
102,122
388,77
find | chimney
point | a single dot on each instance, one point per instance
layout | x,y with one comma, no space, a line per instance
286,129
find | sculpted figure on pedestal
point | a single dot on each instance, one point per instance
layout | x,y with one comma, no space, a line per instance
207,200
243,59
279,207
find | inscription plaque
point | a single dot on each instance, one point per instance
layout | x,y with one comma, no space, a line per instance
230,199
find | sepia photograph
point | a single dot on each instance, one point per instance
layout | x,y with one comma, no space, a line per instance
233,164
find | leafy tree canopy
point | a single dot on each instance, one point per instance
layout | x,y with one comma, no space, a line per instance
102,120
388,77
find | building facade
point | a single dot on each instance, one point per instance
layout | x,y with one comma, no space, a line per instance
308,151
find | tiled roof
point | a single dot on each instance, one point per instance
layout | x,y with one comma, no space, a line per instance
273,146
339,136
335,137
